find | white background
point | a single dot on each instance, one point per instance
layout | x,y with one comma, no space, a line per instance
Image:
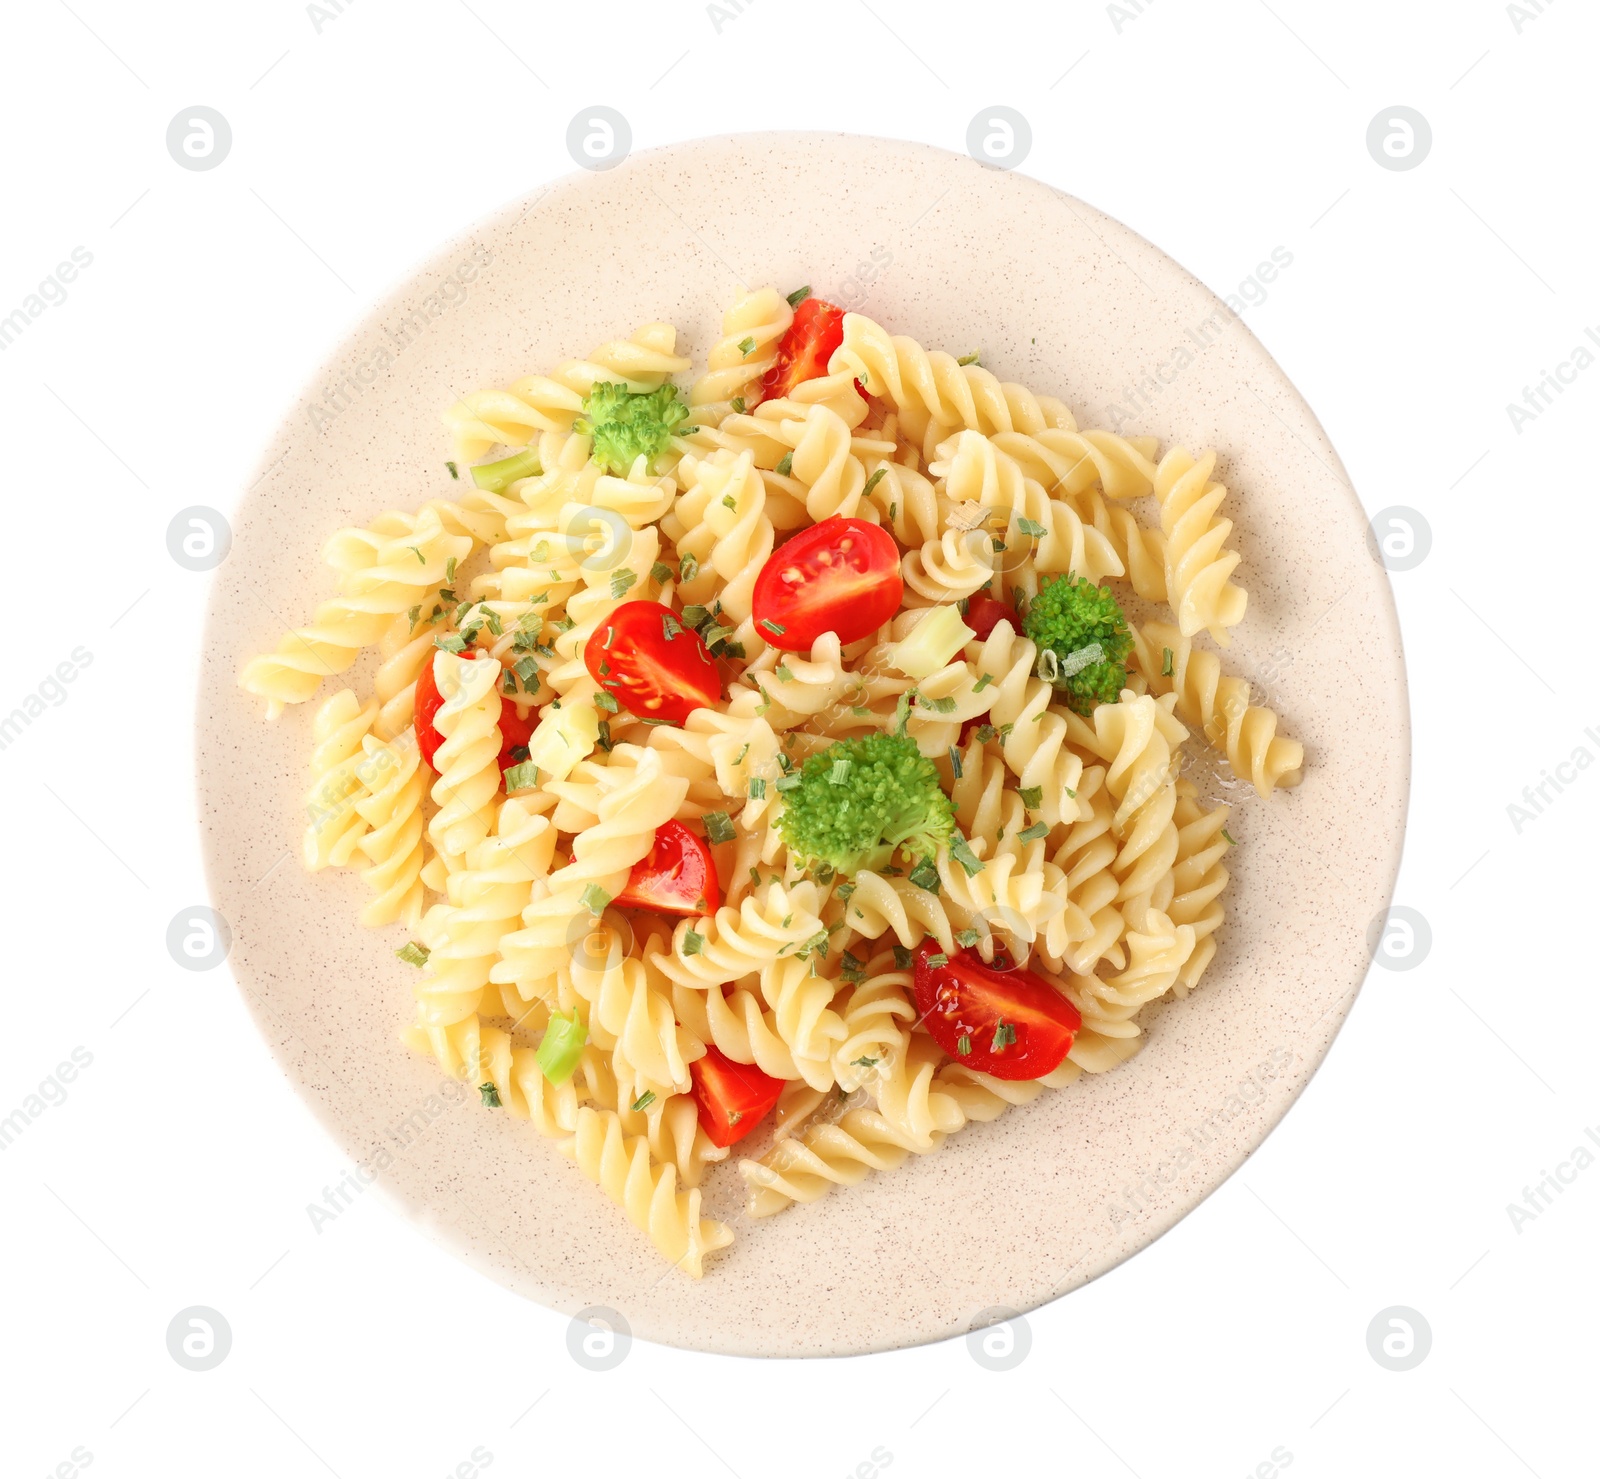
1419,303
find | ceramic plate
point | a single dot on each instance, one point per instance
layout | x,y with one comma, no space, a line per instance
1009,1214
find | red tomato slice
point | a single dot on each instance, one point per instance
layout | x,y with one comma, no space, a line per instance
804,352
514,730
842,576
733,1097
652,664
1014,1025
984,614
678,876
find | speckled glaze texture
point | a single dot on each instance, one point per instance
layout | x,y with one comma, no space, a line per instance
1068,302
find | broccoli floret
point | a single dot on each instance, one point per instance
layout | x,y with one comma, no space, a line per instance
625,425
1083,640
860,799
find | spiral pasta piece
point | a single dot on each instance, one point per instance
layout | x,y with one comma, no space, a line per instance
1034,735
1198,878
486,901
623,1168
1068,461
408,569
876,1013
338,764
726,531
736,943
824,462
468,757
1198,566
883,905
746,350
1218,705
393,780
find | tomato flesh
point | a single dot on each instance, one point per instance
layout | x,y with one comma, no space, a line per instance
651,663
804,352
1014,1025
984,614
841,576
514,730
678,876
733,1098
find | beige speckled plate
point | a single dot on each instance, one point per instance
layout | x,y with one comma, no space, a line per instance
1057,296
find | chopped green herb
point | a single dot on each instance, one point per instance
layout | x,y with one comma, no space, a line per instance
719,827
1004,1035
1229,836
688,568
562,1047
746,345
621,582
692,942
963,1045
863,1062
785,465
736,405
902,958
787,783
604,738
839,771
1032,529
938,705
783,673
984,680
955,762
758,788
660,572
414,954
418,553
967,938
728,501
413,614
925,876
595,899
799,296
523,778
1032,796
450,642
962,852
1029,834
454,471
490,1095
776,628
644,1101
935,961
873,482
969,359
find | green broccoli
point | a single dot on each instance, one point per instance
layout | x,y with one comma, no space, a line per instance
852,805
1083,640
625,425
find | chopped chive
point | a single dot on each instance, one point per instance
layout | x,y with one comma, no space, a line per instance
660,572
596,899
736,405
490,1095
955,761
963,1045
688,568
414,954
719,827
728,501
562,1047
984,680
758,788
669,626
454,471
785,465
787,782
969,359
938,960
692,942
863,1062
925,876
450,642
967,938
783,673
873,481
522,778
1229,836
1032,796
1029,834
1004,1035
799,296
644,1101
746,344
902,958
938,705
961,851
776,628
839,773
418,553
621,581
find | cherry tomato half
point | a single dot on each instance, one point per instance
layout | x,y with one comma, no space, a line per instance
733,1097
1013,1025
515,731
677,877
652,664
841,576
984,614
804,352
